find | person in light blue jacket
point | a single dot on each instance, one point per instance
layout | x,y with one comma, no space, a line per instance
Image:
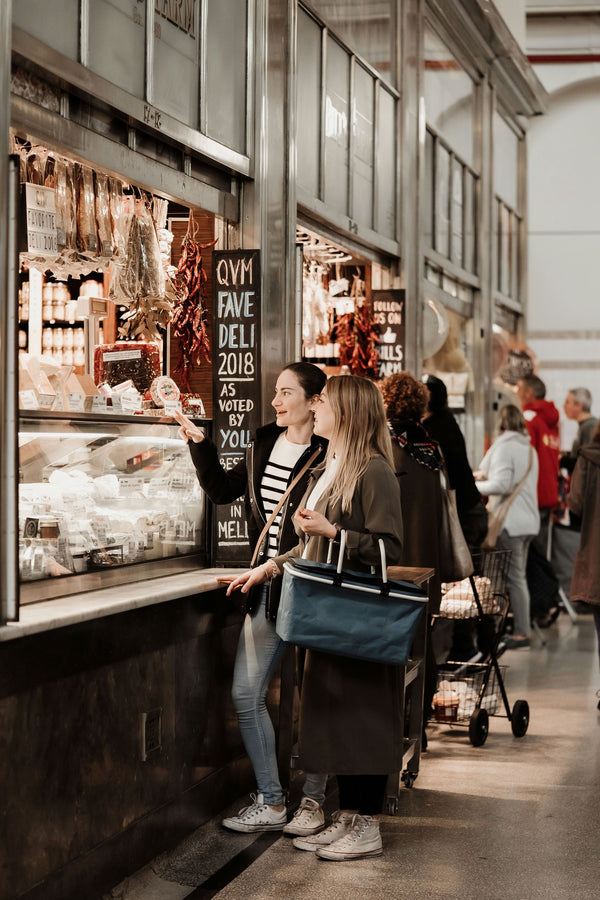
510,459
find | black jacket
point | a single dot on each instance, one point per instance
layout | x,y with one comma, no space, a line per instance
223,486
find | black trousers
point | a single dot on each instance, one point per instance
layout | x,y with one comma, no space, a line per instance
364,793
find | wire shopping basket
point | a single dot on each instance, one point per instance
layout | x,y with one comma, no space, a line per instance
459,600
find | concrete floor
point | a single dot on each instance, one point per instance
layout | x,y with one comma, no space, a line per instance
512,820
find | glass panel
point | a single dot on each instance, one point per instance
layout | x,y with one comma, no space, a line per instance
386,165
449,97
363,146
117,43
470,219
367,26
176,53
336,126
516,286
442,185
497,243
94,495
59,30
504,249
506,162
457,212
428,189
309,102
225,90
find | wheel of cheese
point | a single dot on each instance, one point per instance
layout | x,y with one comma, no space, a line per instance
162,389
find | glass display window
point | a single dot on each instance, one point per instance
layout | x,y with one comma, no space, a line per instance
99,494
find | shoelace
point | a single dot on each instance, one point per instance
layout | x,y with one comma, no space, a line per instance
305,810
255,806
357,828
335,818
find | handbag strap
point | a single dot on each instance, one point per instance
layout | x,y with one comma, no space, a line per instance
508,500
280,503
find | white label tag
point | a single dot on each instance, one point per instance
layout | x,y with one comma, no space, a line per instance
27,400
115,356
76,401
99,404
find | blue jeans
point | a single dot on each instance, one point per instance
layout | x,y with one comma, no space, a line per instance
259,651
520,601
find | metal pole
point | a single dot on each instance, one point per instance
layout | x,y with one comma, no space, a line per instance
9,186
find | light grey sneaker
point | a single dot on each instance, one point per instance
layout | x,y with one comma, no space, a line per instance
361,840
257,817
308,818
340,824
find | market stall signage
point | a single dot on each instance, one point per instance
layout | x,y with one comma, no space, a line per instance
388,312
40,218
178,12
236,383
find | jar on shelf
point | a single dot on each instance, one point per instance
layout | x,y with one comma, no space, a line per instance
57,355
22,339
57,339
70,310
47,310
67,356
68,338
79,357
79,339
47,338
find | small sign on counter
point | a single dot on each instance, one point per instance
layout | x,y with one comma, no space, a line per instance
40,217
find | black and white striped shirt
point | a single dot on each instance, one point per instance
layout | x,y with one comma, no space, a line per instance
275,480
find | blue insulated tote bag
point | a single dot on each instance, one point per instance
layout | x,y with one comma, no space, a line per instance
324,607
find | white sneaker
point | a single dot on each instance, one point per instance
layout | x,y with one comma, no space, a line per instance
307,819
259,816
361,840
340,824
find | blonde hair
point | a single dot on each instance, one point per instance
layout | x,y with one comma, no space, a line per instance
360,432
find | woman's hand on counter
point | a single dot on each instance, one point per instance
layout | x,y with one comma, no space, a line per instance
312,522
248,579
188,431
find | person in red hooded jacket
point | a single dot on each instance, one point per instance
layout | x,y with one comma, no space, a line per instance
541,417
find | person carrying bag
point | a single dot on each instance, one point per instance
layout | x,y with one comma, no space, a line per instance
350,708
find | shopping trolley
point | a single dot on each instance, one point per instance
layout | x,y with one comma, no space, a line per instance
469,693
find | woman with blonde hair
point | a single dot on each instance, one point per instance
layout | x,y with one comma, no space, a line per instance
511,460
350,718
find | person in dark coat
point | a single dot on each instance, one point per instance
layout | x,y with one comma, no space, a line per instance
440,423
275,455
350,710
584,501
418,463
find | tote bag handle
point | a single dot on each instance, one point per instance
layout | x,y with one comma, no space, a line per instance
338,576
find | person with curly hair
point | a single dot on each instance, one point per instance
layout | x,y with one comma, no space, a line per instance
418,462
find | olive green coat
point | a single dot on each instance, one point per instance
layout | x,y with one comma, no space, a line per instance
351,710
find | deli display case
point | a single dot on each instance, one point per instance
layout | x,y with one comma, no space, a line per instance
104,500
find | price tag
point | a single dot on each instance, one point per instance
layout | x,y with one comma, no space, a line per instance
76,401
117,405
171,405
99,404
27,400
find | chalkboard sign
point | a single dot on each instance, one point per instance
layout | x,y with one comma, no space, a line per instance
236,384
388,311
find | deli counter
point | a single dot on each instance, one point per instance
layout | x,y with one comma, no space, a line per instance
104,500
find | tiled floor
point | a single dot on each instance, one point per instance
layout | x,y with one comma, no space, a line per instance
512,820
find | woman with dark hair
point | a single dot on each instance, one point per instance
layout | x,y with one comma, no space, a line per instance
511,460
440,423
350,715
274,456
418,463
584,501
